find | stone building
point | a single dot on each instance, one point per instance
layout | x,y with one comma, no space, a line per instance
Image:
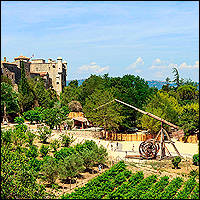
54,74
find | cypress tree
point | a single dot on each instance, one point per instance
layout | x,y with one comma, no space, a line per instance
26,96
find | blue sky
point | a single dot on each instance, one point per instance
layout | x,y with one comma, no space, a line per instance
143,38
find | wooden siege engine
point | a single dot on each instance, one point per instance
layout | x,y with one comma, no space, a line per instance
149,149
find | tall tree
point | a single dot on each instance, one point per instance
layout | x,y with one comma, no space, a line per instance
26,95
9,98
163,106
107,116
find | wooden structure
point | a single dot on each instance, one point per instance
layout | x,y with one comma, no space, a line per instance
149,149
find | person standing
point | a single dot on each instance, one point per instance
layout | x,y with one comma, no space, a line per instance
117,145
100,168
133,148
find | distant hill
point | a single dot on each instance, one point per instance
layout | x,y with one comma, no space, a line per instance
151,83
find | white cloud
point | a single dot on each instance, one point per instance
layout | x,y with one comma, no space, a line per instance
184,65
137,63
93,68
158,64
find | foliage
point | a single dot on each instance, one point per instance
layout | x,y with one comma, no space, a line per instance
70,166
44,150
64,152
186,92
195,159
175,161
189,118
49,170
6,80
171,189
34,115
75,106
186,190
32,152
54,116
42,96
107,116
17,178
66,139
10,98
30,137
194,173
55,144
19,120
91,153
44,134
163,106
26,93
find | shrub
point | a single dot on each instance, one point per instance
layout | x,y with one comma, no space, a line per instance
176,161
44,134
66,139
44,150
32,152
19,120
49,169
55,144
196,159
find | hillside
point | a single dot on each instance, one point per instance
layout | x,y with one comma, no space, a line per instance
151,83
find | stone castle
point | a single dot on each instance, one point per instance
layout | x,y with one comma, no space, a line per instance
54,74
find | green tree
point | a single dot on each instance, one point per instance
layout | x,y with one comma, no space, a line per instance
9,98
55,144
44,150
26,94
44,134
66,139
70,167
49,170
18,180
107,116
163,106
6,80
91,153
70,93
75,106
189,118
186,92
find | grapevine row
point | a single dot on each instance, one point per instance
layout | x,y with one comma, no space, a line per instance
171,189
141,188
195,192
156,189
126,186
101,185
188,187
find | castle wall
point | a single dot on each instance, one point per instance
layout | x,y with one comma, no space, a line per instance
56,76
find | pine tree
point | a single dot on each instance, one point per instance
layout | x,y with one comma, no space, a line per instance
26,96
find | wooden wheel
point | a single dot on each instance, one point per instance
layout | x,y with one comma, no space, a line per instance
149,149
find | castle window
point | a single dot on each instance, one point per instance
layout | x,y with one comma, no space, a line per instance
53,66
57,82
36,69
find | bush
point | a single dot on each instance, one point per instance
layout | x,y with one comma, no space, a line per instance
176,161
44,150
196,159
19,120
44,134
55,144
32,152
66,139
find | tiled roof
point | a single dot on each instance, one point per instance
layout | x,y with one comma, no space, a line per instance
81,119
24,57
